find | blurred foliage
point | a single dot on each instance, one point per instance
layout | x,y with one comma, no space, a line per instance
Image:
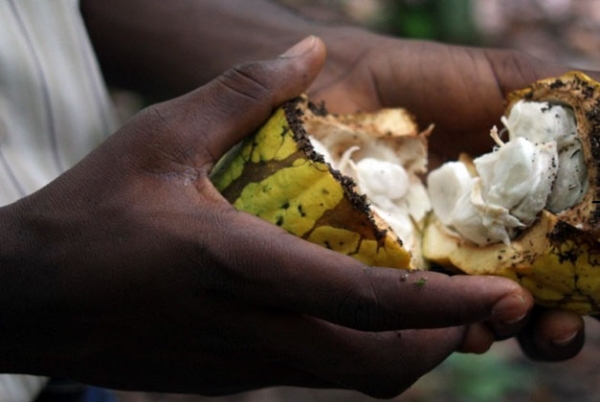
486,378
444,20
495,376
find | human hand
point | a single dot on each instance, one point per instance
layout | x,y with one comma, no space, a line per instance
462,91
131,271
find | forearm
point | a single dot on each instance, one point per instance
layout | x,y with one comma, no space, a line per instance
169,47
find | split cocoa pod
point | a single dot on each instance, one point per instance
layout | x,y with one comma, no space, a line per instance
528,210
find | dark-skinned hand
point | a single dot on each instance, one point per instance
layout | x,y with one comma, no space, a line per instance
131,271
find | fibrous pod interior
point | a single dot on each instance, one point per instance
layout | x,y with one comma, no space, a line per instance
528,209
324,178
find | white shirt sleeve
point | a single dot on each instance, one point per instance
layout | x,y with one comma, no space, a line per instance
54,106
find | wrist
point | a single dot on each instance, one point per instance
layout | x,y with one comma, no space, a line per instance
23,294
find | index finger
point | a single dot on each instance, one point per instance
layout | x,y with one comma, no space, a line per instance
277,270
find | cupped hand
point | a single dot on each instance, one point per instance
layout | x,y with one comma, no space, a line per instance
131,271
462,91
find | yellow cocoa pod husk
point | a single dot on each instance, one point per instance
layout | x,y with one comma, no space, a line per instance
277,175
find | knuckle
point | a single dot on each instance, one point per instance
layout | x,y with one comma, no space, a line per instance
249,81
152,121
360,306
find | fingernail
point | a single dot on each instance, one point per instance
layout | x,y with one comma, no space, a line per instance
510,309
565,340
300,48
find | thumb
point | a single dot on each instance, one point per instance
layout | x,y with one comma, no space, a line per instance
213,118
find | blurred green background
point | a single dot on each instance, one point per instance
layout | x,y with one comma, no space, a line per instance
448,21
554,30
